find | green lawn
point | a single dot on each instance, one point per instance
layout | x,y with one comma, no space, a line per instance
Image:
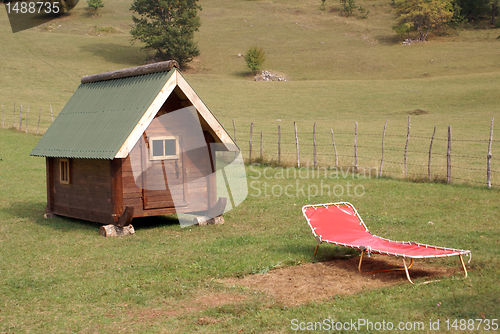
60,276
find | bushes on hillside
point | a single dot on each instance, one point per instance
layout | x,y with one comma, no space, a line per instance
95,4
422,16
349,7
254,58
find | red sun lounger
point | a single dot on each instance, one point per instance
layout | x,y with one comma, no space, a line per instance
340,224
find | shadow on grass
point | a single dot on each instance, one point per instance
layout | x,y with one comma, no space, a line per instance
347,259
388,39
34,211
90,13
243,75
325,252
116,53
146,223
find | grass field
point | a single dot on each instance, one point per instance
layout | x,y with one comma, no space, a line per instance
60,276
341,70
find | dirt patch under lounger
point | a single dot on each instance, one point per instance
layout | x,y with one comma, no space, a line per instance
315,281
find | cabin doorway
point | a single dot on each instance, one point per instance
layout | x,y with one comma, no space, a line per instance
163,174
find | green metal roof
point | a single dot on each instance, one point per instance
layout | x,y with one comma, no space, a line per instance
100,116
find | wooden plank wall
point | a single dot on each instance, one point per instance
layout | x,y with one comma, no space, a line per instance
88,195
193,170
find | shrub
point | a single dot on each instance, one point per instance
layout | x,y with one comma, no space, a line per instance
254,58
323,5
348,7
95,4
403,30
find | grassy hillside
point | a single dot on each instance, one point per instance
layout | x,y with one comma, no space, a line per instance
341,70
301,41
59,276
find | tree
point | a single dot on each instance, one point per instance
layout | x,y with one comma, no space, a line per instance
424,15
473,10
494,8
323,5
348,7
95,4
254,58
167,27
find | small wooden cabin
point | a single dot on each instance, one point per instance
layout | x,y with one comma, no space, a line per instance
112,148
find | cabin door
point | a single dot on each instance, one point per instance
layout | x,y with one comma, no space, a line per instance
163,173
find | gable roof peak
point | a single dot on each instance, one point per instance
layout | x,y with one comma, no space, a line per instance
163,66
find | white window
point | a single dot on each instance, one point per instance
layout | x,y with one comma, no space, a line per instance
162,148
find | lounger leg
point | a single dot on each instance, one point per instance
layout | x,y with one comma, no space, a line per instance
406,270
360,260
463,265
316,249
411,263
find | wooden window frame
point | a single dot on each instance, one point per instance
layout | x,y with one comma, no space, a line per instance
64,171
163,157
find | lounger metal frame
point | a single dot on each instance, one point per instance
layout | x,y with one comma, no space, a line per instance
369,250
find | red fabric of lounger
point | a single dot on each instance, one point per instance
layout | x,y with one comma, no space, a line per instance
339,224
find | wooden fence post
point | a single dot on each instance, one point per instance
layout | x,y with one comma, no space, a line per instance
20,118
314,146
27,115
39,115
383,143
430,154
279,143
234,131
250,143
261,137
406,146
448,157
355,147
488,169
297,144
334,149
52,117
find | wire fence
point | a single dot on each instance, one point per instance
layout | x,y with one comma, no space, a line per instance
26,119
415,157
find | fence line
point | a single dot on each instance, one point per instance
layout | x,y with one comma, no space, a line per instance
297,143
458,160
24,114
335,149
488,168
406,146
461,162
430,155
383,144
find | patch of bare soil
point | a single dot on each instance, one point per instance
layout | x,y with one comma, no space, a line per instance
194,305
316,281
418,112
